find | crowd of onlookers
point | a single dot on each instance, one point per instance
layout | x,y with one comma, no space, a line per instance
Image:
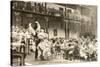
82,48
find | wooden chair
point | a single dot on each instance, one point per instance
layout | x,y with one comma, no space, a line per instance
18,58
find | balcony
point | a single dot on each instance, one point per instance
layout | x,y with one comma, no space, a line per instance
75,17
40,9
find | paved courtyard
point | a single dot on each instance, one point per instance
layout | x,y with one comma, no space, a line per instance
30,60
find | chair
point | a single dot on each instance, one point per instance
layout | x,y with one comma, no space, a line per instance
18,58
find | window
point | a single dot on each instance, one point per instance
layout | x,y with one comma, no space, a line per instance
61,9
69,11
55,32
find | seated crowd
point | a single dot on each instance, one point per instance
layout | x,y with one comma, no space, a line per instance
37,41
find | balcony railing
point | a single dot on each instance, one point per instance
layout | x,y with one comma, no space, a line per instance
43,10
75,17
